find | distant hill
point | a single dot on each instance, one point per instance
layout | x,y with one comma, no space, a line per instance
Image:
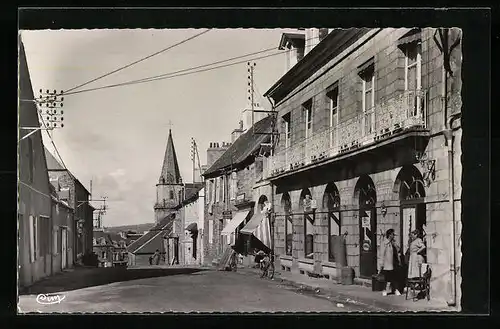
139,228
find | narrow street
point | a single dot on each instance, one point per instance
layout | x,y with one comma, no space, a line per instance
207,291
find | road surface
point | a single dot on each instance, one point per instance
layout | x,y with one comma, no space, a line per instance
207,291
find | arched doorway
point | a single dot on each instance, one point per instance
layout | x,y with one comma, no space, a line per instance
331,202
305,204
286,205
367,199
410,187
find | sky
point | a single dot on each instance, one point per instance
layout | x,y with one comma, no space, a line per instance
116,137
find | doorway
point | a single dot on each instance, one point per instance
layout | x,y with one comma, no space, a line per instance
367,198
64,248
410,186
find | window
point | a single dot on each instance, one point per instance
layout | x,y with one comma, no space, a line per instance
217,190
233,185
308,114
180,196
367,75
413,74
288,129
332,95
413,66
171,194
224,187
210,231
221,188
31,164
309,237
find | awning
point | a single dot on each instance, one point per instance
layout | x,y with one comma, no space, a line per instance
238,218
259,227
192,227
412,36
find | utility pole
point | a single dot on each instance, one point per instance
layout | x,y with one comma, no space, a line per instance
251,90
195,156
49,105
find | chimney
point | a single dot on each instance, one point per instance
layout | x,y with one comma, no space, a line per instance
213,153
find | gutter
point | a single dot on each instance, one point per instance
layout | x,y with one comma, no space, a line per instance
448,135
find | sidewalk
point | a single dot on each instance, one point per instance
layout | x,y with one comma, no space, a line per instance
83,277
355,294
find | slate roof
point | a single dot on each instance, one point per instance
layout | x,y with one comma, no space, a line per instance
170,169
242,148
54,165
162,227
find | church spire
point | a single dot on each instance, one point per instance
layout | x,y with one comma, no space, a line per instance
170,171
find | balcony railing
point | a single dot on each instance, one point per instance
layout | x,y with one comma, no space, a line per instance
407,110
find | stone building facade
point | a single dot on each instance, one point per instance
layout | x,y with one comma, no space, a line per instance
76,195
365,147
34,194
230,193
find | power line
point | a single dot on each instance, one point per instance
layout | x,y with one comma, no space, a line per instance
193,69
53,144
138,61
172,75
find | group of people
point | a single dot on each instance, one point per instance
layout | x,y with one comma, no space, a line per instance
397,267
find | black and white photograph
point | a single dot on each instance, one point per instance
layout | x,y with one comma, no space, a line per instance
240,170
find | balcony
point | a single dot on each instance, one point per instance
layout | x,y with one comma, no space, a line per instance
403,112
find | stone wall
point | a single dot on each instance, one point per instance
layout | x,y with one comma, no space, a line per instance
383,169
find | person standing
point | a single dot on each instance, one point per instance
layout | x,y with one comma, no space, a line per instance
156,257
416,249
390,263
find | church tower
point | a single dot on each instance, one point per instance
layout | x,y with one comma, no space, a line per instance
169,188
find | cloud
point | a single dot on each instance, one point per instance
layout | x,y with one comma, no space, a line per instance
120,172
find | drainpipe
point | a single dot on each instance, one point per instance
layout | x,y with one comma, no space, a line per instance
448,134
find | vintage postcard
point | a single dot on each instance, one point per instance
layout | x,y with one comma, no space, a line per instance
240,170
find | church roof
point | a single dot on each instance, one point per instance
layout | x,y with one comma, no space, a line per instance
170,173
242,148
161,228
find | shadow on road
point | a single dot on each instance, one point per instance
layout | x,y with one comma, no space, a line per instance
90,277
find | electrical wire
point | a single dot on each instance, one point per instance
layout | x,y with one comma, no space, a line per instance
168,76
140,60
52,142
177,73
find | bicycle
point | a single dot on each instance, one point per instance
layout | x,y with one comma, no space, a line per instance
267,267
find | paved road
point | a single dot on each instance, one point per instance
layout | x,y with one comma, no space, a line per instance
209,291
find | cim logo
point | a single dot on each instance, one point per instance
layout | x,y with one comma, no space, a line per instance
49,299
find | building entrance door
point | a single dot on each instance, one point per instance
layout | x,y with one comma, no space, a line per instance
368,242
176,250
64,248
367,197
